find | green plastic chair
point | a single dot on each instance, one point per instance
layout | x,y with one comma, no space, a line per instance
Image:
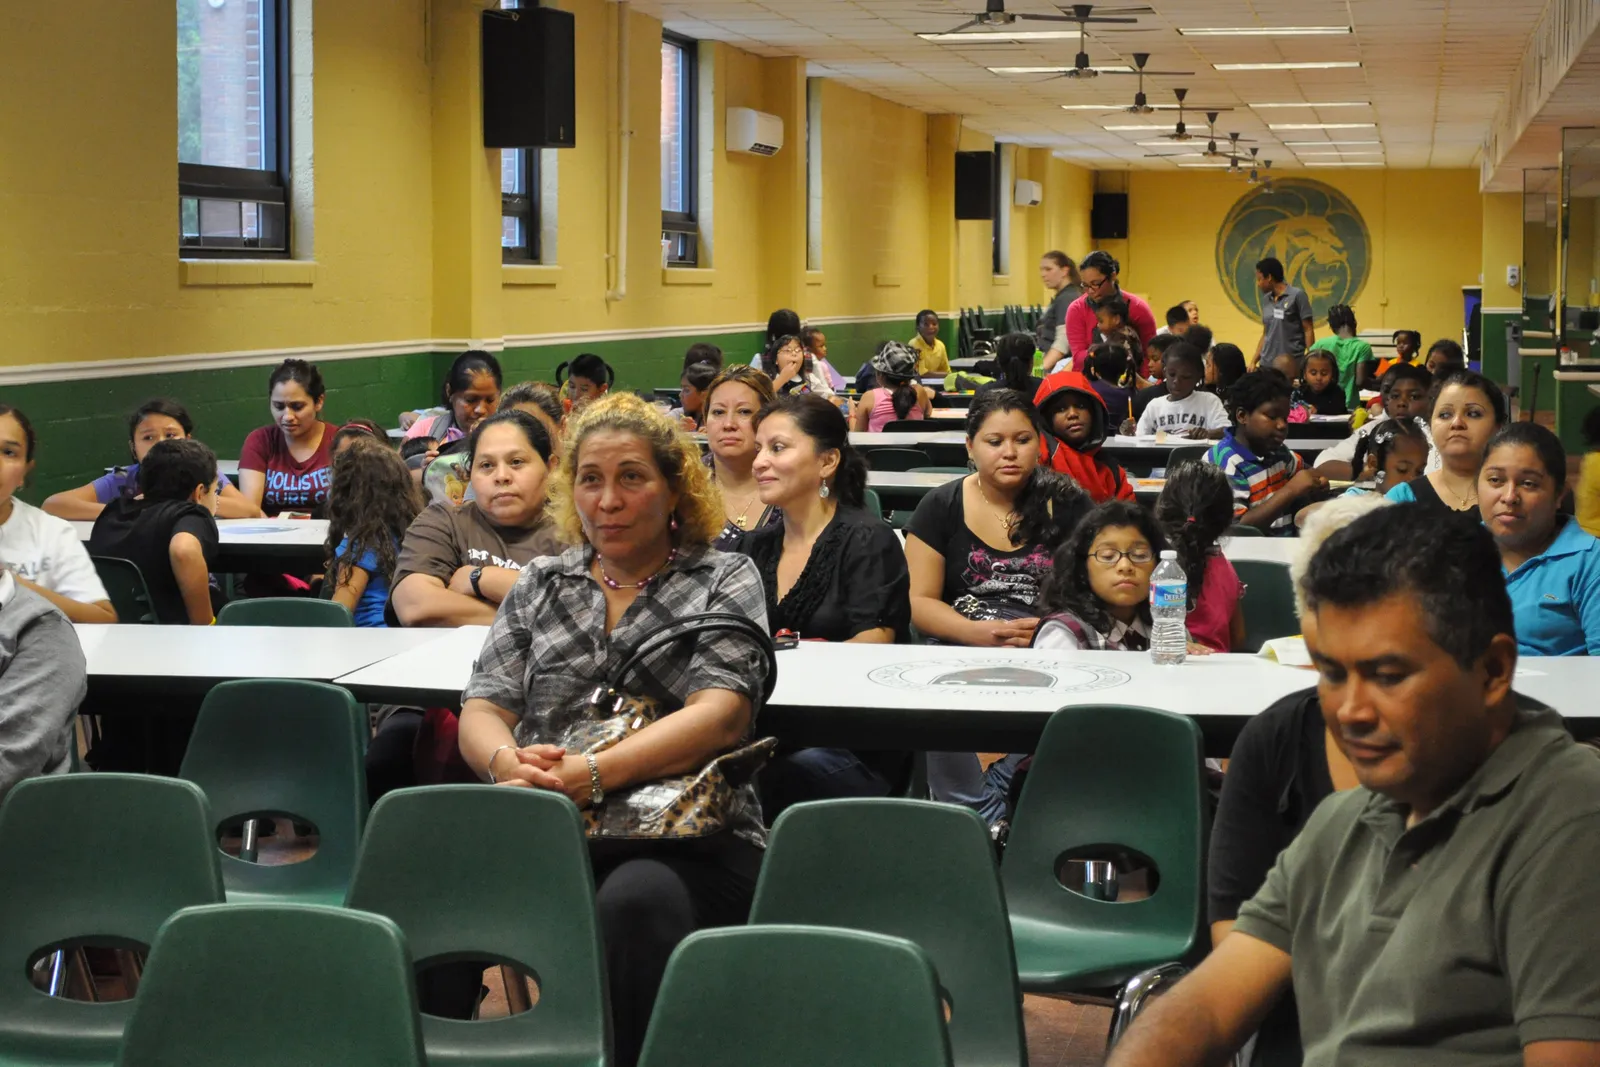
125,585
344,977
104,858
1269,609
942,470
1239,529
291,748
910,869
285,611
501,874
1106,778
871,503
896,459
796,996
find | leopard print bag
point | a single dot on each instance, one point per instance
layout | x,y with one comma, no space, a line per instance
677,806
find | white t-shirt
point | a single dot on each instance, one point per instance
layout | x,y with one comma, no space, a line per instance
46,550
1198,410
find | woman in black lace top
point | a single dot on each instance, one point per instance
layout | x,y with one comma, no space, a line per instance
832,572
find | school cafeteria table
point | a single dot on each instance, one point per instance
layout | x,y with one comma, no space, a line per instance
261,544
937,698
943,447
1145,454
127,659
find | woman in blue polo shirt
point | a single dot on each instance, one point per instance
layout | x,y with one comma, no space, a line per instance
1552,567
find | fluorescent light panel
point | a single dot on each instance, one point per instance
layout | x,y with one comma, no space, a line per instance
1347,163
1318,65
1055,70
1002,35
1138,129
1323,144
1322,125
1336,103
1264,31
1206,166
1344,152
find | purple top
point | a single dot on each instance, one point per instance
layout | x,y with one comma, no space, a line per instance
119,481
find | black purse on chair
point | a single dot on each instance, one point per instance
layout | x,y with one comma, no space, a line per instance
691,805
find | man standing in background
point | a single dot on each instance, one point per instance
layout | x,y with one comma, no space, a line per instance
1285,315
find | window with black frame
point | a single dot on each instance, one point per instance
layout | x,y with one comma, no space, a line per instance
520,222
233,125
680,232
998,204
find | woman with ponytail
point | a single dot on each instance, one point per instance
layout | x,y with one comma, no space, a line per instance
1195,510
832,572
899,395
1013,359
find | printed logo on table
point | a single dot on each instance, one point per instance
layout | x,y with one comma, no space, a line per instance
998,675
1312,229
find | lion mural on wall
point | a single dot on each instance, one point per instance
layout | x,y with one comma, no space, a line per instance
1312,228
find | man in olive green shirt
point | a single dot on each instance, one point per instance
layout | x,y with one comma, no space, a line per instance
1444,912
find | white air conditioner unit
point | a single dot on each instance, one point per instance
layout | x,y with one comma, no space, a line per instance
1029,194
755,132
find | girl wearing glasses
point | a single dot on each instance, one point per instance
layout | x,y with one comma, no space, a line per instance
1098,596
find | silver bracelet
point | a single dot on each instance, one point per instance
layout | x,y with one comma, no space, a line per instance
492,779
597,795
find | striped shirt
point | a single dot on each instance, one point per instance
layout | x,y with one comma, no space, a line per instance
1255,480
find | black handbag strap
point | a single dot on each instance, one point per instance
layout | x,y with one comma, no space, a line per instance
692,625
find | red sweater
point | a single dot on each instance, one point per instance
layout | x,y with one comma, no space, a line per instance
1081,324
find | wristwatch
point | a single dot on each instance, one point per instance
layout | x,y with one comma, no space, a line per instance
474,578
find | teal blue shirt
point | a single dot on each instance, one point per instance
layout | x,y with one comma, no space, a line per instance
1555,596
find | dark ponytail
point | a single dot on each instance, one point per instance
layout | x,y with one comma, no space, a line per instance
904,397
827,428
1013,355
1195,509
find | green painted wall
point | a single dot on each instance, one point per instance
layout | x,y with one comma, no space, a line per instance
1573,402
82,425
1493,351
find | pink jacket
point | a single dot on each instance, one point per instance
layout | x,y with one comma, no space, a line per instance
1081,323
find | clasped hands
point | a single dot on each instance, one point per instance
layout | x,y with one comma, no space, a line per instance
548,767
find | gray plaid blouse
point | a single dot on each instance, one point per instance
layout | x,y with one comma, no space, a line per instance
548,646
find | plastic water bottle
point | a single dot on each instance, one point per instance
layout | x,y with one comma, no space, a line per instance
1169,604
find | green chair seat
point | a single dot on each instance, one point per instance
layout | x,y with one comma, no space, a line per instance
896,459
1239,529
97,858
871,503
1106,779
1268,604
341,978
1052,958
287,748
910,869
797,996
503,874
941,470
285,611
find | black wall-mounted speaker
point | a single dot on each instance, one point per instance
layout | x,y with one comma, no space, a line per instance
529,78
1108,219
974,185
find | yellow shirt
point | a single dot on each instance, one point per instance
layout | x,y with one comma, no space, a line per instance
1587,496
931,359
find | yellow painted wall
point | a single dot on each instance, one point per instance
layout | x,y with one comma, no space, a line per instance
1502,248
1426,230
88,190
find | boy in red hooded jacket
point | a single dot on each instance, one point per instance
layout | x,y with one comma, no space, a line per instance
1076,417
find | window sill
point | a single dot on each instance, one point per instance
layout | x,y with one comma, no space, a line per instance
688,276
813,277
529,274
247,272
888,281
999,279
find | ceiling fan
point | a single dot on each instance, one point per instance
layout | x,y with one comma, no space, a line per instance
1081,67
1262,178
1141,104
995,15
1211,152
1181,132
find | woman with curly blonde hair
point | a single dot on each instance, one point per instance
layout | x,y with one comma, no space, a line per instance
632,494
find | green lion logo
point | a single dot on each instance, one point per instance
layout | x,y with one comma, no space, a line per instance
1312,228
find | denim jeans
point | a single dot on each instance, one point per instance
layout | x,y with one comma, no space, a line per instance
958,778
815,774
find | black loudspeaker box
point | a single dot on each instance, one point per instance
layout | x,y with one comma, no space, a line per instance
1108,219
974,185
529,78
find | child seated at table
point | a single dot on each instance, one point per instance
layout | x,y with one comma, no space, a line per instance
1098,594
353,430
1195,509
1184,410
1319,384
1108,368
1111,318
1404,391
1269,481
1394,453
371,504
1074,414
168,531
155,420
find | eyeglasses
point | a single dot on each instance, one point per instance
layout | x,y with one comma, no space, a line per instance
1138,555
1087,284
